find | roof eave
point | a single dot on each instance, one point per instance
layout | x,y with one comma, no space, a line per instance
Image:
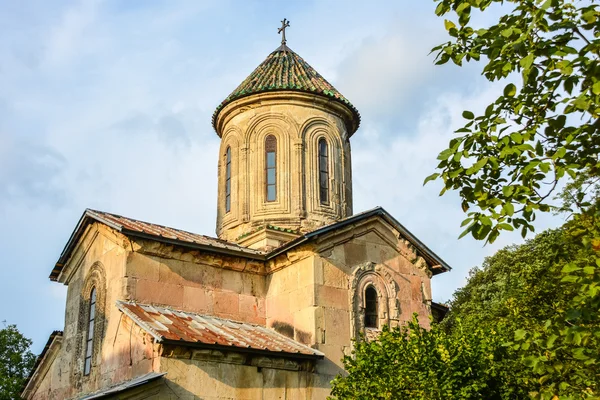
90,216
352,127
433,258
245,350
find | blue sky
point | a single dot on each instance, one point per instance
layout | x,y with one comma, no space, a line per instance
107,105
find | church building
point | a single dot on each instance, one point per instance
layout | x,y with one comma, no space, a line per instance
268,308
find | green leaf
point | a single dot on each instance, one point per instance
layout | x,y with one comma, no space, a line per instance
431,178
477,166
520,334
468,115
527,61
596,88
567,269
509,209
449,24
510,90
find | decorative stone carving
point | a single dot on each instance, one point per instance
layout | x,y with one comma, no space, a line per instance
298,121
96,278
380,278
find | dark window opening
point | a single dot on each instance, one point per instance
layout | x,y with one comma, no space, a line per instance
323,172
271,167
371,308
90,334
228,180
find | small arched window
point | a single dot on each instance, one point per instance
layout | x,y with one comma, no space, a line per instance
89,349
371,308
271,168
323,172
228,179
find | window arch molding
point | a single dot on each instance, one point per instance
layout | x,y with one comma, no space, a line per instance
312,132
271,168
228,173
95,281
371,275
232,140
283,132
324,171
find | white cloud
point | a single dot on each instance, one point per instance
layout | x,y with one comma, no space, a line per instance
108,104
68,37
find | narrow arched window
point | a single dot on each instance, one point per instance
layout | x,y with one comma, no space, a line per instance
90,334
271,167
323,172
371,308
228,179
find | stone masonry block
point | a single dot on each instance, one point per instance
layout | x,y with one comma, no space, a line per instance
328,296
226,303
334,276
356,253
252,306
141,266
198,300
159,293
232,281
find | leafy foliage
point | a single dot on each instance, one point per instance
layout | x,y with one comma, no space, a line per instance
507,162
525,325
414,363
544,298
15,362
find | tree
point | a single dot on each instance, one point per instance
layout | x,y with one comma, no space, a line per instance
542,297
15,362
536,305
411,362
526,324
507,163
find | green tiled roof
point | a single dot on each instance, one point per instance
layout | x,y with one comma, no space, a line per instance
285,70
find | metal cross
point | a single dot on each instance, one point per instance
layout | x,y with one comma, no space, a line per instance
284,24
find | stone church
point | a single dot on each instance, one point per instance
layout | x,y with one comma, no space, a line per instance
268,308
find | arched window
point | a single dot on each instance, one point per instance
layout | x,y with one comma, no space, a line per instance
323,172
89,349
371,308
228,179
271,167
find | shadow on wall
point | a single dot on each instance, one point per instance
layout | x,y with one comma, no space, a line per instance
213,379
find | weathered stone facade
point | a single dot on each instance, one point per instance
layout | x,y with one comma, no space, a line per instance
298,121
296,265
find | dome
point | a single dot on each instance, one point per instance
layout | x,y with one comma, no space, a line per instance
285,70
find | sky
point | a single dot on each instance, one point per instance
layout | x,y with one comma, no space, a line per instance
107,104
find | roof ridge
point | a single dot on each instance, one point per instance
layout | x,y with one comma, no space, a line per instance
165,226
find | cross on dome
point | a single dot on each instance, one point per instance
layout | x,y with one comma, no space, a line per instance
284,24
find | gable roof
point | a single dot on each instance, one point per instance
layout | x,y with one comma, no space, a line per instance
186,328
146,230
283,69
424,251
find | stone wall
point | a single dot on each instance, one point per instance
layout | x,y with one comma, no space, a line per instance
298,121
226,287
119,351
190,376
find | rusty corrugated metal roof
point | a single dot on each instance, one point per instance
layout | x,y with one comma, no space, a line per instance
169,325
